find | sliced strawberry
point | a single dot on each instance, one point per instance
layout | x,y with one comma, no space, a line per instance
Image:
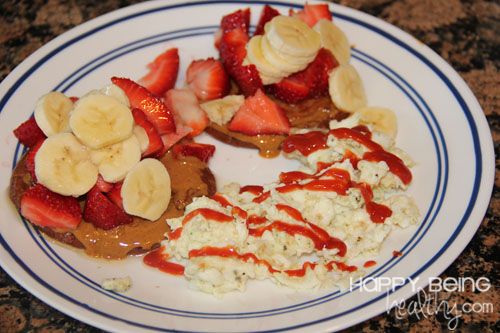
28,133
232,49
30,159
266,15
155,143
103,213
187,110
103,185
162,72
290,90
317,73
115,194
248,79
171,139
239,19
260,115
156,111
48,209
311,14
199,150
208,79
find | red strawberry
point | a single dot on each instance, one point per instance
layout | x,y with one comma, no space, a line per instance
317,73
28,133
162,72
115,194
199,150
187,110
313,13
266,15
239,19
170,139
103,213
155,143
290,90
232,49
30,158
208,79
48,209
248,79
260,115
156,111
103,185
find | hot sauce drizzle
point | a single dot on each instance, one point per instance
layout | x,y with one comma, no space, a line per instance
306,143
254,189
263,197
206,213
378,212
158,259
369,263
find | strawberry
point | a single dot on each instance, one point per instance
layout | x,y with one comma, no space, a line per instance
266,15
170,139
156,111
162,72
187,110
103,213
218,37
48,209
155,143
260,115
290,90
248,79
313,13
239,19
115,194
28,133
199,150
208,79
232,49
103,185
30,159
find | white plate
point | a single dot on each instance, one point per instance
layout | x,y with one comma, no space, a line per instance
441,125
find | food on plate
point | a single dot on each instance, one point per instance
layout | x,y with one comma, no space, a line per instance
119,285
119,171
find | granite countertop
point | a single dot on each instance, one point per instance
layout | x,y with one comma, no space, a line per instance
466,33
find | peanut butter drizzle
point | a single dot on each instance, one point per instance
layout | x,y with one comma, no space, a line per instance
189,179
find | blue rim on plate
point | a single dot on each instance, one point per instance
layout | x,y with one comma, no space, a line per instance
410,92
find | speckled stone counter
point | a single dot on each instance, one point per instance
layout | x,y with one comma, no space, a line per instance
466,33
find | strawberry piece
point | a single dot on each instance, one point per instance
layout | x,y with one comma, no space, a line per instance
218,37
103,213
187,110
155,143
260,115
171,139
162,72
115,194
232,49
208,79
153,107
103,185
266,15
199,150
30,159
290,90
240,19
248,79
311,14
48,209
28,133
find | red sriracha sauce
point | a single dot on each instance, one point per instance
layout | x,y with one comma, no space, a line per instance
206,213
378,212
306,143
158,259
369,263
254,189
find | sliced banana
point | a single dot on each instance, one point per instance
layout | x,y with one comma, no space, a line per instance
115,161
382,119
99,120
334,40
291,36
52,113
142,136
282,62
222,110
113,90
146,190
256,57
346,89
63,165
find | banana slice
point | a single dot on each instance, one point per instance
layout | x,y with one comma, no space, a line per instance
146,189
63,165
113,90
269,73
291,36
115,161
52,113
284,63
334,40
220,111
346,88
142,136
382,119
99,120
